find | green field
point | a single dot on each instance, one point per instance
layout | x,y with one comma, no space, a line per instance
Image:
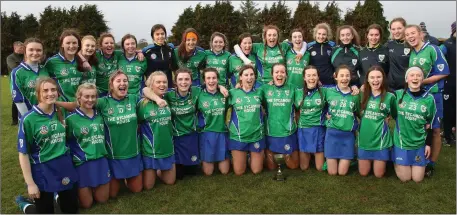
303,192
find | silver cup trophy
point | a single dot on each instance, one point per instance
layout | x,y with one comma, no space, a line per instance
280,160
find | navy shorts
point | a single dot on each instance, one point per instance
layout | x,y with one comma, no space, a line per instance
126,168
158,163
186,149
283,145
439,110
404,157
379,155
311,140
247,147
213,146
55,175
94,173
339,144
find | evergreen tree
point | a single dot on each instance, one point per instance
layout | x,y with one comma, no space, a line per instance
30,26
249,13
185,20
331,15
306,16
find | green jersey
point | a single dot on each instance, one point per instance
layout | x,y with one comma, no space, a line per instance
195,63
66,74
41,136
183,111
431,60
235,64
211,112
269,56
23,80
90,76
121,133
134,69
294,69
342,108
411,117
374,131
85,136
105,67
311,108
156,130
221,63
246,120
280,103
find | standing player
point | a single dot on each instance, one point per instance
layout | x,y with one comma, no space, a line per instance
235,62
415,109
374,53
341,123
269,52
131,66
280,102
374,139
87,53
86,140
399,53
311,130
156,135
218,57
211,112
45,162
431,60
246,123
188,56
294,68
319,54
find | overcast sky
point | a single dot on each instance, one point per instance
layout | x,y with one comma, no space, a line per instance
137,17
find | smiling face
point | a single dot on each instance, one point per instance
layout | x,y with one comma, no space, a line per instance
159,36
159,85
218,44
130,46
321,35
297,39
413,36
375,80
346,36
211,81
247,78
246,45
373,37
120,86
191,43
311,78
279,75
343,78
397,30
271,37
70,45
108,45
88,47
87,98
33,52
183,82
48,93
414,80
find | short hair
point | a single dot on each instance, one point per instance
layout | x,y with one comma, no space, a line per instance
18,43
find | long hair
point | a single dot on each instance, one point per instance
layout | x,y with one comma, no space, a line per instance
40,82
397,19
377,27
264,35
66,33
182,52
305,86
324,26
368,91
355,35
93,61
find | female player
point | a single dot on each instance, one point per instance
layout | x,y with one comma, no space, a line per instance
235,62
45,162
218,57
319,54
87,53
188,56
374,141
269,52
341,123
415,111
159,55
63,67
311,130
431,60
86,140
294,68
279,102
246,123
399,53
156,135
374,53
211,112
347,52
130,65
24,77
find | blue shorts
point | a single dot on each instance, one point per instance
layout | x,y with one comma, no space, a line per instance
126,168
94,173
186,149
55,175
283,145
403,157
339,144
158,163
213,146
311,140
379,155
439,110
247,147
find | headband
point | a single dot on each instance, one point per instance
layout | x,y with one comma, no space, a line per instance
191,35
411,69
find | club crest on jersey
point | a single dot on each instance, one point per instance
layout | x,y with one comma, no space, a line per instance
403,105
138,68
329,52
287,147
354,62
64,72
110,111
31,84
223,100
446,97
423,108
313,53
333,103
270,93
257,98
318,101
289,61
43,129
205,104
238,100
129,107
193,158
189,101
287,92
65,181
196,64
152,113
421,61
382,106
84,130
381,57
153,56
351,104
440,67
406,51
224,62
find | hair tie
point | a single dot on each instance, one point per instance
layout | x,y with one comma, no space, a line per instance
191,35
411,69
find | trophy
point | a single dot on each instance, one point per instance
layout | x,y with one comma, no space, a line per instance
280,160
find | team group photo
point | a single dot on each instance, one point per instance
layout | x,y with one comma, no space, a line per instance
228,107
